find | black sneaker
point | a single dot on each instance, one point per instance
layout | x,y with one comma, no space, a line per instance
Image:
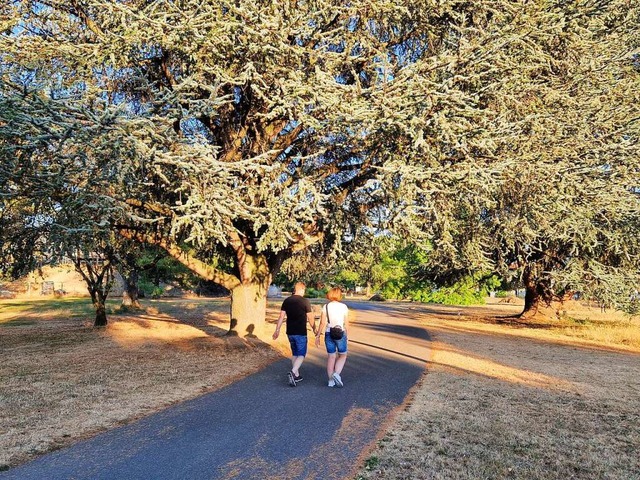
293,380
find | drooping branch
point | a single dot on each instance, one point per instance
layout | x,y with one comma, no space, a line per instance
185,258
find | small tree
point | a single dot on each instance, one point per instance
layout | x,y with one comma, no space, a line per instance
94,262
133,260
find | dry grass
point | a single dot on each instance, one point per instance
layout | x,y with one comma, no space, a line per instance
61,380
502,400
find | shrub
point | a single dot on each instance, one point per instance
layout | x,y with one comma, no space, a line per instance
316,293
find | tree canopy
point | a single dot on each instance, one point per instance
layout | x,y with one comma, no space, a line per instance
557,203
235,134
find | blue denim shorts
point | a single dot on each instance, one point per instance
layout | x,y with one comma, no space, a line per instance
334,346
298,345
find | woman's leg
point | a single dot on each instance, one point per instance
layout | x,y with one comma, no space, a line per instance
341,347
339,363
331,364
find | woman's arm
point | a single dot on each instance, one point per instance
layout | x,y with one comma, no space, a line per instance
323,322
346,320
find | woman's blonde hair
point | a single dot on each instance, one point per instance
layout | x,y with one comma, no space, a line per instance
334,295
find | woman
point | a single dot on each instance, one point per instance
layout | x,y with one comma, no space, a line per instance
334,314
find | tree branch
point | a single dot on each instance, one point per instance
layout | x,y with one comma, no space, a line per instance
197,266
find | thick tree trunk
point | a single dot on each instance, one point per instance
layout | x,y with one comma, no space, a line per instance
537,300
248,310
531,301
542,304
249,297
534,305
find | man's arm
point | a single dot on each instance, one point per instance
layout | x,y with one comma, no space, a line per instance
279,324
311,318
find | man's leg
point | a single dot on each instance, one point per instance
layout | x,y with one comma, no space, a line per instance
296,362
298,352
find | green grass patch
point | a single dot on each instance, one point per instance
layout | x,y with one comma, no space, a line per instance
371,462
579,321
22,312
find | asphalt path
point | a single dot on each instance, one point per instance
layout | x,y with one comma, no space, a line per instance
260,427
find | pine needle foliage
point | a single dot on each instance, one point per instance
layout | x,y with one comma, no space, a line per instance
556,205
255,130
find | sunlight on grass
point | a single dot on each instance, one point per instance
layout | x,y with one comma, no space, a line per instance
614,335
445,356
134,333
163,326
11,310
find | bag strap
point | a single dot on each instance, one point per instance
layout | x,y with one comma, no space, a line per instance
328,319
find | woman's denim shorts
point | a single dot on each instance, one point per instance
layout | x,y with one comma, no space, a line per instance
334,346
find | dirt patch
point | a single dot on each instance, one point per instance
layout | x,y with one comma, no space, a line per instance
61,380
510,401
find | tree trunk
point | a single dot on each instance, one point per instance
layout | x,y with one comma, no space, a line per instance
531,301
537,303
101,316
541,303
98,285
248,310
130,294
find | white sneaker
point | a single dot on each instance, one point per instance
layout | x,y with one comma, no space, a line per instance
338,380
332,383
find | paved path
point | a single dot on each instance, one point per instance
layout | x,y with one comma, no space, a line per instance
259,427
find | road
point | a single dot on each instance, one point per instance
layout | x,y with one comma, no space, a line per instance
260,427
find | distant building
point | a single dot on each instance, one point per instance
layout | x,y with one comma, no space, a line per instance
274,291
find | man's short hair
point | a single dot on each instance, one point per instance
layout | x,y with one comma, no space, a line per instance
299,286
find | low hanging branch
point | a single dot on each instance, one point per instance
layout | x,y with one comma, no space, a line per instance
197,266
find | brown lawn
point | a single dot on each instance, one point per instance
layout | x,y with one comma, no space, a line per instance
502,400
61,380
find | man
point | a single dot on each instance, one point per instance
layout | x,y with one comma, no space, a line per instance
298,311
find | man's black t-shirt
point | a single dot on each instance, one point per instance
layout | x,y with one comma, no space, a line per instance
296,308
